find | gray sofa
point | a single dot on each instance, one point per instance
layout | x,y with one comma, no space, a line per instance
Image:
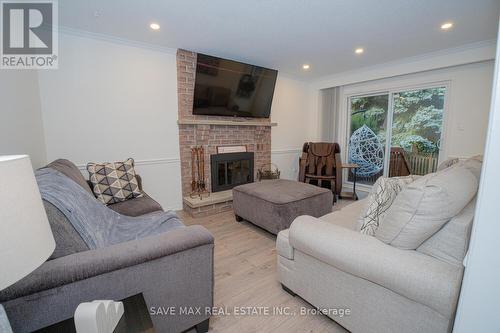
330,264
172,269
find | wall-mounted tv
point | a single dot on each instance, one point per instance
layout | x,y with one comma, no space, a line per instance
230,88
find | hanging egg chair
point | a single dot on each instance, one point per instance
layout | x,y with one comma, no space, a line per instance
366,150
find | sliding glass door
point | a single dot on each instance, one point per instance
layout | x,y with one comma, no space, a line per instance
368,132
417,128
396,133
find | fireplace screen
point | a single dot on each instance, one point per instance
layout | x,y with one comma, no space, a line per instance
230,170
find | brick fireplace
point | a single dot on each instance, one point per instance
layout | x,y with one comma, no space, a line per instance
212,132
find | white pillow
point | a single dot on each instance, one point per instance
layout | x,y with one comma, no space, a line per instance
425,205
381,197
473,164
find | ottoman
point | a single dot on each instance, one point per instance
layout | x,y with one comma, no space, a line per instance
274,204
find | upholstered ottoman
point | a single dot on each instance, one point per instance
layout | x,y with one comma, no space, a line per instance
274,204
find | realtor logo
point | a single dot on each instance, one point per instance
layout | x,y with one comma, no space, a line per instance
29,35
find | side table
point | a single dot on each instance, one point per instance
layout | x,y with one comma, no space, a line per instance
350,195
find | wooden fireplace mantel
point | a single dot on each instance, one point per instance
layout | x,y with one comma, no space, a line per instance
225,122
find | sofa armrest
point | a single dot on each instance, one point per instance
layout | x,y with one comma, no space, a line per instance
86,264
409,273
283,247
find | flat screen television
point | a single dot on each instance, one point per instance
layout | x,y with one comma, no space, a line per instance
230,88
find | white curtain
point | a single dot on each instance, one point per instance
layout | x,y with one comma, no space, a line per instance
330,114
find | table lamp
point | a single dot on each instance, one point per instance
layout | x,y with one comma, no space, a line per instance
26,240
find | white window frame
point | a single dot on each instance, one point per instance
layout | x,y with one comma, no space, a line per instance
389,89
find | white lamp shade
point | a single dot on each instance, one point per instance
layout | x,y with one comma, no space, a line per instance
26,239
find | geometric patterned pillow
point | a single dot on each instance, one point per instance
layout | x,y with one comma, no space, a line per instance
381,197
114,182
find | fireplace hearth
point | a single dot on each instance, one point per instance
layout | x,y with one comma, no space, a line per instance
231,169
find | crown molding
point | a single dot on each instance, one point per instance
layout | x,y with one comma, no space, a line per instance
168,50
466,54
116,40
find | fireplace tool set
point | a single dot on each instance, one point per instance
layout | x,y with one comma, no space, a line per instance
198,183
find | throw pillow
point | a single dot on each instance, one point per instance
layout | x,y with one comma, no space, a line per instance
70,170
114,182
425,205
381,197
448,163
473,164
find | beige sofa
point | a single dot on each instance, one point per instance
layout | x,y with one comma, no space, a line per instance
331,265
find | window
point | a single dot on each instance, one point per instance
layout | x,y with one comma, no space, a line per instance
396,133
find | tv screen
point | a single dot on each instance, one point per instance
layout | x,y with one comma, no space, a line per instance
230,88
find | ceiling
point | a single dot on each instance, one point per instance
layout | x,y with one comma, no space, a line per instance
285,34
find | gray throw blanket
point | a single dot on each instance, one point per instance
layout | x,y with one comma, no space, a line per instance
98,225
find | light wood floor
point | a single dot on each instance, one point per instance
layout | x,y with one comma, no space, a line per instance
245,275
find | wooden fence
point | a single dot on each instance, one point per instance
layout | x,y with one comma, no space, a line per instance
421,164
415,164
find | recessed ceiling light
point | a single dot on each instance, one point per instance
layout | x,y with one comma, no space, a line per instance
154,26
359,50
306,66
446,26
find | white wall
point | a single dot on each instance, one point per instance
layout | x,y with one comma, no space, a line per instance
467,103
480,295
292,108
109,101
21,130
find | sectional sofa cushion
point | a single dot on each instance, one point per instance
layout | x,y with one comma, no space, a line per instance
68,240
348,216
425,205
114,182
137,206
451,242
70,170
